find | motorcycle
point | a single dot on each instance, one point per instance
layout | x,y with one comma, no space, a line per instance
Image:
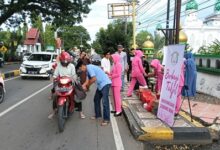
64,100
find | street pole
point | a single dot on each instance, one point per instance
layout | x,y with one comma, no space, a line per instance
134,23
178,5
167,23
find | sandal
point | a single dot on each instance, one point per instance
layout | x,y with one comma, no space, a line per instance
104,123
82,116
51,115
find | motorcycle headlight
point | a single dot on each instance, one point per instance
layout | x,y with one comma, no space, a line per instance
45,66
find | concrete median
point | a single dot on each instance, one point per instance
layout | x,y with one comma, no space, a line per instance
10,74
145,126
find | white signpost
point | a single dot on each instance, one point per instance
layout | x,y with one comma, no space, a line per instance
170,86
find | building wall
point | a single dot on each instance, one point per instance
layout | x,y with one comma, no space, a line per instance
208,84
198,37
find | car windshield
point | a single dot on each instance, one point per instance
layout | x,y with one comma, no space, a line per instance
40,57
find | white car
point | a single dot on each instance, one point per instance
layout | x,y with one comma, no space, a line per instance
2,89
38,65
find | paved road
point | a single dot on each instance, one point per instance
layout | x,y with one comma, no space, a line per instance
7,68
26,126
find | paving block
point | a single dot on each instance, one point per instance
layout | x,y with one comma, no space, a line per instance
146,115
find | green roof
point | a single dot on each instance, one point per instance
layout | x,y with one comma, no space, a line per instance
159,26
217,6
192,5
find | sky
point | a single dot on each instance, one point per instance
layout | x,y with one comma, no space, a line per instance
98,16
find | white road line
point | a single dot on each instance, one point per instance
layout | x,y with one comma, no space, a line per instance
22,101
11,79
116,133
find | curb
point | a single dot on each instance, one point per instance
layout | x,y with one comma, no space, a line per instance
10,74
11,63
164,135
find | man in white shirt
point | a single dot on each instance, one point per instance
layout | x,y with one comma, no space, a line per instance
105,63
124,63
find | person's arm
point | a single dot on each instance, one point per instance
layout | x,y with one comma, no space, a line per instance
141,67
73,72
126,62
90,81
152,74
56,72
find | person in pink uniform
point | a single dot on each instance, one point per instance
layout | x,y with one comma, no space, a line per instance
137,72
158,74
115,75
181,84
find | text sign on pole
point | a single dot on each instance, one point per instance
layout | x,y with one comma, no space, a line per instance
170,86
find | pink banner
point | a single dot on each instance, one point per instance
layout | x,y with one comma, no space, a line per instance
170,86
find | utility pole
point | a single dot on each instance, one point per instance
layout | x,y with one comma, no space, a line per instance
134,22
178,11
167,23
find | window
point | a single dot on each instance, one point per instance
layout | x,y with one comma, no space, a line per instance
208,64
39,57
217,64
200,62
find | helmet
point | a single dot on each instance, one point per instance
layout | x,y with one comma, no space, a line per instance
65,59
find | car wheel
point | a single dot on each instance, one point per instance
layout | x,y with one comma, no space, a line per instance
22,77
2,94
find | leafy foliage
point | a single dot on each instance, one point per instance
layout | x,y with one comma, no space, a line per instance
72,36
58,12
142,37
213,48
109,38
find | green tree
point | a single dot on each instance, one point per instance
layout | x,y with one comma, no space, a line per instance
72,36
159,42
142,37
114,34
59,12
49,35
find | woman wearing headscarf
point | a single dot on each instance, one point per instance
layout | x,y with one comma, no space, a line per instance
157,73
137,72
115,76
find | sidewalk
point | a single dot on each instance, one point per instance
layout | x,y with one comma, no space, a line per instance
208,114
145,126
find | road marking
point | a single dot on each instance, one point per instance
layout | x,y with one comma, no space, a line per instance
11,79
116,133
22,101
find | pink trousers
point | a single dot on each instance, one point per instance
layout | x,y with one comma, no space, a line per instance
117,97
179,100
141,81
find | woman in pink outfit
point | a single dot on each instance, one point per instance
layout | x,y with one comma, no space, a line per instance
181,84
115,75
137,72
158,74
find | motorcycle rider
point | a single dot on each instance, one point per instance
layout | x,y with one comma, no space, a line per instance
64,68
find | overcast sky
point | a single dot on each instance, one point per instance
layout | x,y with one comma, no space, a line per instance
98,17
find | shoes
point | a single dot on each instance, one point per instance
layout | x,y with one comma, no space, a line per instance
113,111
51,115
118,114
82,116
105,123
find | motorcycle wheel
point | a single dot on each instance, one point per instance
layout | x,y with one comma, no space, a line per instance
2,94
61,119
